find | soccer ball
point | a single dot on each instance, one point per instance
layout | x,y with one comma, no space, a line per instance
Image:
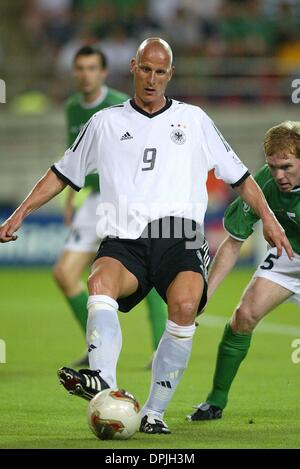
114,415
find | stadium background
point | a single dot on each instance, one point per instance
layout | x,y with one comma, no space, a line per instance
235,58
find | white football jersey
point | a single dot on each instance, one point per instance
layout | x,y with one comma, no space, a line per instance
150,165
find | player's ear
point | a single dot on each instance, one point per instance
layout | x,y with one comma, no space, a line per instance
171,73
104,73
132,65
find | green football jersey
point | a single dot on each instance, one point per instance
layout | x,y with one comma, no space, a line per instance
78,113
239,218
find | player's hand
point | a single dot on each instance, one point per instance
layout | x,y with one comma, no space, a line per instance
275,235
9,227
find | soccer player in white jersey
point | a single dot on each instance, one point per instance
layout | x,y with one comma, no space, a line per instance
153,155
90,71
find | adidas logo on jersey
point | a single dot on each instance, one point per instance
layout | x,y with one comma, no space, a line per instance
126,136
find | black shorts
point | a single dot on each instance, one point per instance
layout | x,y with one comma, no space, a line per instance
155,262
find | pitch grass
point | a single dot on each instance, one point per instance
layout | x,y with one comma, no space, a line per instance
41,336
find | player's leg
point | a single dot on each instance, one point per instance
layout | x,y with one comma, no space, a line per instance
173,353
67,273
260,297
108,281
157,314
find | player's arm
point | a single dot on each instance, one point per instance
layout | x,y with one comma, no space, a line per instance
224,260
239,221
45,189
230,168
272,230
78,161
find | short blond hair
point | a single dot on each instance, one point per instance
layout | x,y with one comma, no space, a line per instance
283,137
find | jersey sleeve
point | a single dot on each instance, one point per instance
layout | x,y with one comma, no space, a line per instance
80,159
239,218
221,157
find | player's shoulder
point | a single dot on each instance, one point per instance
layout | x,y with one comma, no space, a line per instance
113,109
264,170
107,113
191,109
263,176
72,101
115,97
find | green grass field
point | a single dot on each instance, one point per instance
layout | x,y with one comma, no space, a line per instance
41,336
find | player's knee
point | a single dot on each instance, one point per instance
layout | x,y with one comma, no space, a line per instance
99,284
183,310
244,319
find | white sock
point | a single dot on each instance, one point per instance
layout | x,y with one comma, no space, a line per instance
170,361
104,337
